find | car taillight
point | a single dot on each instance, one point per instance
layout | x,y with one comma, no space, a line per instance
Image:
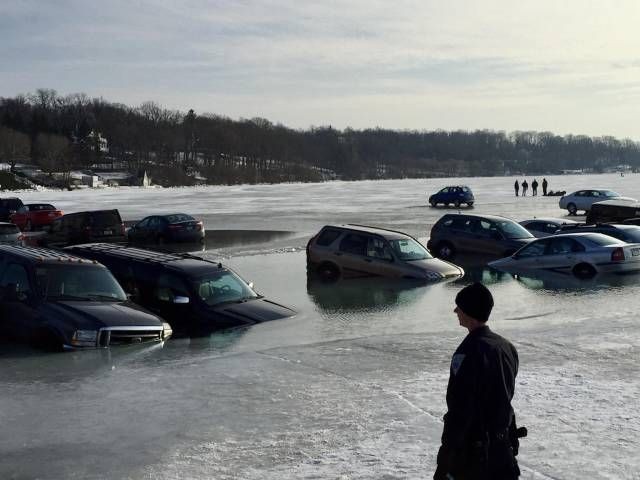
617,255
123,230
175,227
199,226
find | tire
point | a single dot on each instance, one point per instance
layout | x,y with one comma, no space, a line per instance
456,204
469,204
572,209
328,272
584,271
445,251
433,203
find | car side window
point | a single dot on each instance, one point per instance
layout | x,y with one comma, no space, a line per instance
354,244
595,193
534,249
444,190
16,274
563,246
170,286
378,248
327,237
143,223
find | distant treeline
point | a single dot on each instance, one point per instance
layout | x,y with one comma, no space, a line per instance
61,133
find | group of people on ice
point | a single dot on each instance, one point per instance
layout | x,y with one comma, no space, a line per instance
534,187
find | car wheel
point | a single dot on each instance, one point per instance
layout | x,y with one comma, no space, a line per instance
328,271
584,270
456,203
572,209
470,204
433,203
445,250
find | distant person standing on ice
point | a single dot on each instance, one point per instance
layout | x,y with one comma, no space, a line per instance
545,184
525,186
534,187
516,187
480,437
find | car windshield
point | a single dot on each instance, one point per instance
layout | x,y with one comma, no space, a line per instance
222,286
512,230
78,282
108,218
408,249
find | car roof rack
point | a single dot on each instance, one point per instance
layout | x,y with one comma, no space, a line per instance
376,228
139,254
41,254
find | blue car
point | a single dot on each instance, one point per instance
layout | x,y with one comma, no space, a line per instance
456,195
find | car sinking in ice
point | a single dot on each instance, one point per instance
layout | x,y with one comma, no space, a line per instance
57,301
361,251
581,254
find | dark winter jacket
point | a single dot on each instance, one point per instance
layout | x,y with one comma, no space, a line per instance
476,438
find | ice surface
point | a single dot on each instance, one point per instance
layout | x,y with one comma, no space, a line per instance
351,388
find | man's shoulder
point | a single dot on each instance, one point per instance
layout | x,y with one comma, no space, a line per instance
490,340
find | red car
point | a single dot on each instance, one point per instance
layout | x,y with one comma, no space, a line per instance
35,216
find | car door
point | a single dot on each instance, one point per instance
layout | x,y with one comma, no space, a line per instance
352,254
56,235
140,230
594,196
484,237
562,254
380,258
17,309
172,298
532,256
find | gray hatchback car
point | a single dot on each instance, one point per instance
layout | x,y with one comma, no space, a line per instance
483,234
358,250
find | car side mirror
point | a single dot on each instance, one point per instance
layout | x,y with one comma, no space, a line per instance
178,299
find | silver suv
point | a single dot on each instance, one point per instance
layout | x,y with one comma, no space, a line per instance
357,250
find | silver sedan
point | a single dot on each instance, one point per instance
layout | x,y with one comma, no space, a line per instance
582,254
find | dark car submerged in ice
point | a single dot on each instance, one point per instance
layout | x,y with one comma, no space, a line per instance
195,295
57,301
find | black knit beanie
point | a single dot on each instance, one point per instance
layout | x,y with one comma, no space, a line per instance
476,301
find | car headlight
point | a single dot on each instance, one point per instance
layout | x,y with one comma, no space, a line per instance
433,276
84,338
167,331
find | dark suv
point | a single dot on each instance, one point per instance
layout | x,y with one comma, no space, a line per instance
83,227
54,300
9,206
193,294
487,234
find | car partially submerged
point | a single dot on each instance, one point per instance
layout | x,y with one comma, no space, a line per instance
58,301
361,251
581,254
584,199
545,226
10,234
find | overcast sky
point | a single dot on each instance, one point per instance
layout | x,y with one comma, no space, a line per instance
566,66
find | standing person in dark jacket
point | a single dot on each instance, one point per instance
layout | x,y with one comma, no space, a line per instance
516,187
534,187
479,440
525,186
545,184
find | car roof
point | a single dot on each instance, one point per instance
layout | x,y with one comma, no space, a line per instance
583,235
175,261
44,255
383,232
478,215
549,219
85,212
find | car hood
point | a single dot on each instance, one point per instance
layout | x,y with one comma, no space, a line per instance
445,269
254,311
95,315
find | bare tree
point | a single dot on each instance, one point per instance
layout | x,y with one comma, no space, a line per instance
14,146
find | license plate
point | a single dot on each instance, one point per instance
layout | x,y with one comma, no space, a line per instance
635,252
108,232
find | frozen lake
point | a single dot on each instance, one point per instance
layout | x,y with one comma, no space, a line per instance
353,387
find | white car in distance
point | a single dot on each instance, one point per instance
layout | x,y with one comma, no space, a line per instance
583,199
581,254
